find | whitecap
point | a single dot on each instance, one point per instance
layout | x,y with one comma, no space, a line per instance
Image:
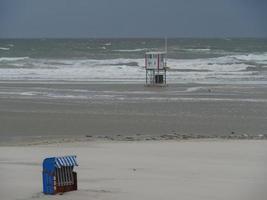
130,50
4,48
29,93
197,50
258,58
12,58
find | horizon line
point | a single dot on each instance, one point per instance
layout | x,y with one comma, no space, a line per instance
136,37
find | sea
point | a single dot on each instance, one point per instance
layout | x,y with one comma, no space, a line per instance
190,60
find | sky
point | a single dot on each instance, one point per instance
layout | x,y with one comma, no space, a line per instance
132,18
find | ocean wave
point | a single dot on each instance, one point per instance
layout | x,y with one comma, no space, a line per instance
221,69
4,48
108,44
130,50
132,64
189,70
220,64
12,58
197,50
256,68
257,58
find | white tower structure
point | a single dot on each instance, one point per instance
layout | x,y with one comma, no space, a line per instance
156,65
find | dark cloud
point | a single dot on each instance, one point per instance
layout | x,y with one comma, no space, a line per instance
133,18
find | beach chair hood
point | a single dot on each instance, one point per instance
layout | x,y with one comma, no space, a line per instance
65,161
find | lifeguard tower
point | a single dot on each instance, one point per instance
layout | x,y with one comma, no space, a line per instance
156,66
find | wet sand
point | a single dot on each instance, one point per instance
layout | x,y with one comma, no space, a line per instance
75,109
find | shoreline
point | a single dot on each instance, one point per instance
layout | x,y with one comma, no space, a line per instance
183,111
41,140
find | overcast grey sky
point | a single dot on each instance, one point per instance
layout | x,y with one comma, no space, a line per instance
133,18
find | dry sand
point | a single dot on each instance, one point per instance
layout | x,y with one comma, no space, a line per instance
151,170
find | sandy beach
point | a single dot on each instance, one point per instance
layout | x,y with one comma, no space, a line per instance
186,141
202,137
203,170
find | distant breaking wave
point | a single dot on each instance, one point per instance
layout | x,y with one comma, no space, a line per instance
196,50
130,50
259,58
12,58
246,68
4,48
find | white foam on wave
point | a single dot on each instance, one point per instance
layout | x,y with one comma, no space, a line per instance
194,89
4,48
108,44
209,64
258,58
197,50
12,58
33,93
79,70
130,50
220,69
